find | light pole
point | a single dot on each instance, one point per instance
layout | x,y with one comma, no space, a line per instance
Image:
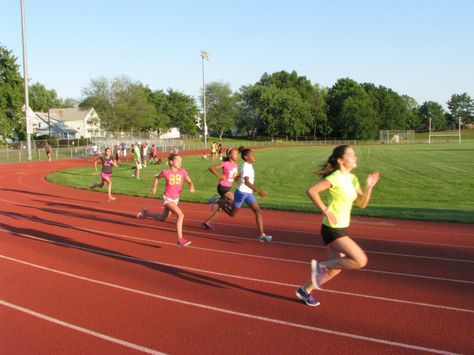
25,79
204,55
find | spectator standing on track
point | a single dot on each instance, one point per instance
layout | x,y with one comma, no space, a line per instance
123,150
95,150
137,159
144,152
219,149
344,189
230,172
213,150
116,153
245,193
108,163
47,148
174,178
154,154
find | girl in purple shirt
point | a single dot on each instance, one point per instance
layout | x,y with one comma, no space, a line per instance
174,179
106,174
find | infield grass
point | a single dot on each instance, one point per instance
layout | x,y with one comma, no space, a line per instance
425,182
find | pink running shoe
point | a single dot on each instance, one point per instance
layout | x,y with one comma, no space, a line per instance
183,242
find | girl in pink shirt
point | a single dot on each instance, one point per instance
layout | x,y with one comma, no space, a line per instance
174,178
230,173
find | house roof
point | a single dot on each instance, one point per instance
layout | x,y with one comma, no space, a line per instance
70,114
54,122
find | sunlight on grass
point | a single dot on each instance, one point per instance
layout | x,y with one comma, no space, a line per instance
427,182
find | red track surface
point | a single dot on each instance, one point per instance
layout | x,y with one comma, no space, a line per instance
79,274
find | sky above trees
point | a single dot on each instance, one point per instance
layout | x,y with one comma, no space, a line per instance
421,48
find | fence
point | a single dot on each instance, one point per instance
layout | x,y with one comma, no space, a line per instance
61,149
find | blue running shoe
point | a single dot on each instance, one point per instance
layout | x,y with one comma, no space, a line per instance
207,226
213,199
306,297
265,238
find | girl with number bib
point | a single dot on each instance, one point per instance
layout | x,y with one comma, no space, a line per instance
230,173
174,179
245,193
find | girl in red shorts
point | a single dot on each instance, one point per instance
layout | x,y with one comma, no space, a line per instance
106,175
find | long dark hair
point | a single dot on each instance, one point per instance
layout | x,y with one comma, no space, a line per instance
244,152
171,157
331,164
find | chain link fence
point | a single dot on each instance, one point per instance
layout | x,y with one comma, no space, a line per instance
85,148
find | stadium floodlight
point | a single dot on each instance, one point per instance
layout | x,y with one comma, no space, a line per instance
204,55
25,80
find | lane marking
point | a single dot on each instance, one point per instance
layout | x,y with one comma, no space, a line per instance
95,232
240,314
205,234
80,329
293,231
246,278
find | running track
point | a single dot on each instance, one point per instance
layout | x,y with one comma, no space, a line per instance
79,274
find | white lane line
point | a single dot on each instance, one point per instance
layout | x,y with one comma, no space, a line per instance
402,241
206,234
235,313
80,329
95,232
234,276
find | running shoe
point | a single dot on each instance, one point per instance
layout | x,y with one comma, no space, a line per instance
207,225
265,238
183,242
317,273
213,199
306,297
142,213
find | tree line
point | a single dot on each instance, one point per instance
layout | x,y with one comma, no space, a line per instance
279,104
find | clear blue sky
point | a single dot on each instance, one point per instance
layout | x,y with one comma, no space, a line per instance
422,48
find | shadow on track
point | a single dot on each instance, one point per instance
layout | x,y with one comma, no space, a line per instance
183,274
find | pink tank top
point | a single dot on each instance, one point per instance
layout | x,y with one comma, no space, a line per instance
174,182
230,170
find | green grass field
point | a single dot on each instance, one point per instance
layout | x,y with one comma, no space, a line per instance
420,181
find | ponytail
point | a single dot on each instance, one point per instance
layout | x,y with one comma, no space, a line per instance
332,164
244,152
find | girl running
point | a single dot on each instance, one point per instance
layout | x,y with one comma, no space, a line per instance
344,189
245,193
106,175
226,179
174,178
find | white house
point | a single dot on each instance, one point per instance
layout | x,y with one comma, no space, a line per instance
171,134
69,123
